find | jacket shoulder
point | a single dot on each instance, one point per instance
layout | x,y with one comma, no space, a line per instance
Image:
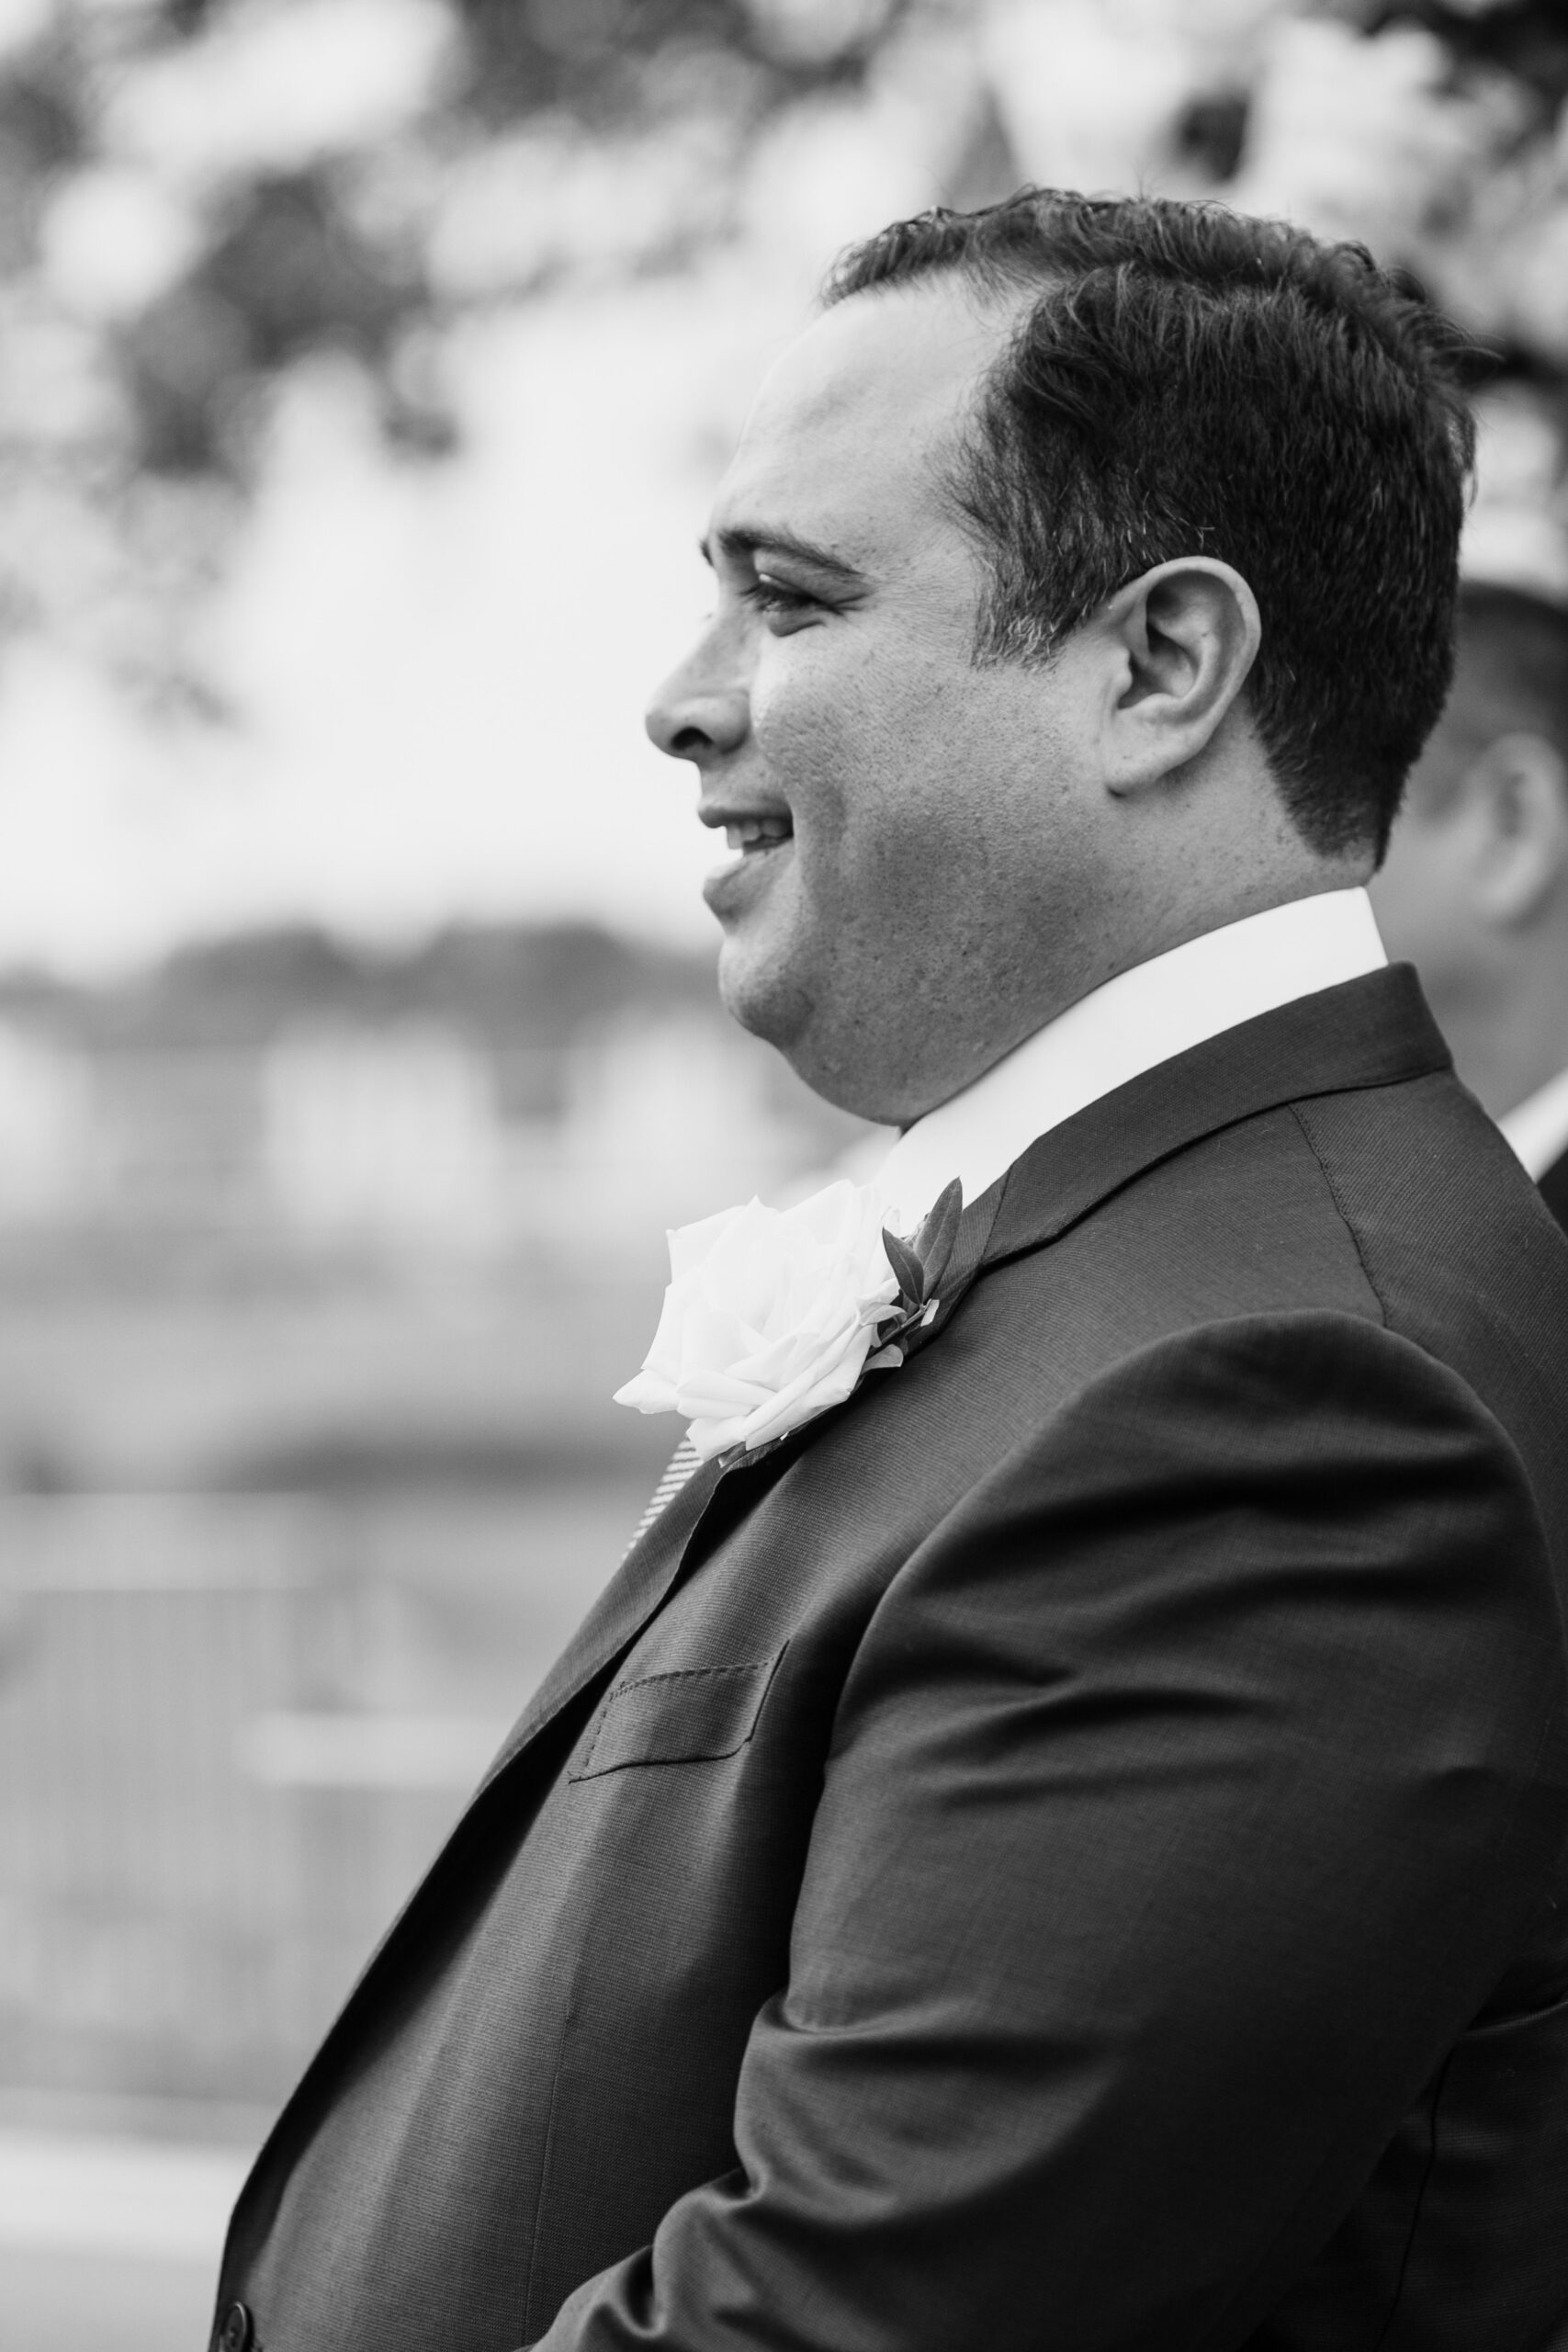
1242,1221
1464,1256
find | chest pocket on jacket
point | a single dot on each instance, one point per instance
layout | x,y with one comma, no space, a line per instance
692,1716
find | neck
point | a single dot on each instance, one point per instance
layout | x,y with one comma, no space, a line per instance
1191,914
1160,938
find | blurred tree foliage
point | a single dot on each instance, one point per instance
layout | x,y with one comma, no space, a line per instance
197,196
1527,38
328,255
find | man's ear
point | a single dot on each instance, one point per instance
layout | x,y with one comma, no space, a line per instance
1522,782
1182,639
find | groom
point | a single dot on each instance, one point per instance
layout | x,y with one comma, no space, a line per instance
1064,1847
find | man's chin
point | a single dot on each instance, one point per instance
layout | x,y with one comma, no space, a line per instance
761,995
779,1008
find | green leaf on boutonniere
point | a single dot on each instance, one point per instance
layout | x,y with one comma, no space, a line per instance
934,1243
907,1265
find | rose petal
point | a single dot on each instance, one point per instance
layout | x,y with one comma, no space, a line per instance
804,1399
709,1339
691,1244
645,1393
793,1352
712,1393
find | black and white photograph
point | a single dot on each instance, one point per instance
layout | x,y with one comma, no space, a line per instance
783,1175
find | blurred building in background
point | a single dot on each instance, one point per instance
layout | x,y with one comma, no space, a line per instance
365,367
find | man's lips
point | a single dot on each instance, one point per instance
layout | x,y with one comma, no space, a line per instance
748,829
760,837
751,833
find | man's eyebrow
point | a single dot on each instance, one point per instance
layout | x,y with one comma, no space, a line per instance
736,540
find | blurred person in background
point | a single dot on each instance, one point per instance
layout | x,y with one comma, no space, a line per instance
1055,1834
1474,888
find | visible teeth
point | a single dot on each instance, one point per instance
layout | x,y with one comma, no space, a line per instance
751,833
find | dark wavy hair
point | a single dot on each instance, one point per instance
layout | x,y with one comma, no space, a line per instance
1184,380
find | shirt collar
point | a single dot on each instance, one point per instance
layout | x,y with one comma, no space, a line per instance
1537,1128
1141,1017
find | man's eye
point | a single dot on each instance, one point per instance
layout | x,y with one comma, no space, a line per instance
776,602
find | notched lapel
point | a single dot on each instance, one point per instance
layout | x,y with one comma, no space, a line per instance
1375,1031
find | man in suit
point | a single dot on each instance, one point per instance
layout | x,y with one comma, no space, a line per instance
1064,1846
1475,890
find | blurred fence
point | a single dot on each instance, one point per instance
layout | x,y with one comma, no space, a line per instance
233,1731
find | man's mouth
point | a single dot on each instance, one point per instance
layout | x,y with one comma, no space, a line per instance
760,842
750,834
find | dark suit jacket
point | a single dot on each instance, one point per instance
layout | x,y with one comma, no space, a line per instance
1554,1190
1064,1851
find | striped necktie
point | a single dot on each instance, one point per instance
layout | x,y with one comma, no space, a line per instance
683,1463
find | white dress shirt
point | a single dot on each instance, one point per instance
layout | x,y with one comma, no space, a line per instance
1139,1019
1538,1127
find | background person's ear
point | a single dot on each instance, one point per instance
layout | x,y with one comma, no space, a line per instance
1184,636
1521,785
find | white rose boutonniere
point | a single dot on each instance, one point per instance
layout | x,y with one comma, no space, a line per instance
772,1315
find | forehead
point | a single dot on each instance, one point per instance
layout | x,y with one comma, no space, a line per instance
845,442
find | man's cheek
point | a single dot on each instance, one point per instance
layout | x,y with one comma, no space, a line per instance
808,756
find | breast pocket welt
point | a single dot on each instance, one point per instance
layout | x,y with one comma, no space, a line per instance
695,1715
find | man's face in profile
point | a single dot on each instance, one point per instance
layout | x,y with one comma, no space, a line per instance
902,851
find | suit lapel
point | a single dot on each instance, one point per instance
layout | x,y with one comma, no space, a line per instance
1374,1030
1367,1032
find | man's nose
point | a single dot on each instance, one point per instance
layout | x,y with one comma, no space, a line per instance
696,713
